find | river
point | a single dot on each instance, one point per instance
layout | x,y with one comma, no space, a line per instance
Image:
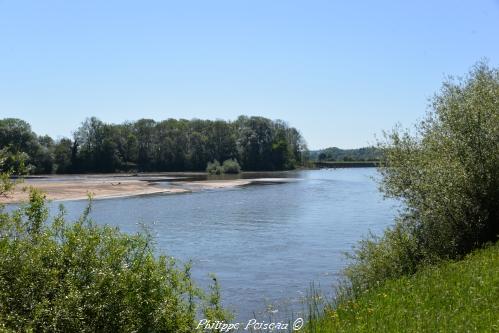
265,243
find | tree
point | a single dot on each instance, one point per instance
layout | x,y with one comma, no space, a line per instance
62,155
42,156
446,173
17,135
256,143
127,146
144,131
17,138
10,165
6,184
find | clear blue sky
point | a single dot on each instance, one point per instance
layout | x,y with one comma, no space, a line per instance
340,71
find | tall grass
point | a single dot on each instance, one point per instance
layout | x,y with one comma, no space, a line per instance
455,296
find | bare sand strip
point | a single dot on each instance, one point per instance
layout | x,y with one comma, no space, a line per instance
108,187
80,189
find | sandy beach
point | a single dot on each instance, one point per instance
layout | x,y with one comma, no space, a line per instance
105,187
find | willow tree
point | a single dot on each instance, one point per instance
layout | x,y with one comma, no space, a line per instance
446,172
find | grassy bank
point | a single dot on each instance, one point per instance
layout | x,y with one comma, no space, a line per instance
461,296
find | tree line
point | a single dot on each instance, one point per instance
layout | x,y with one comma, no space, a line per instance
256,143
337,154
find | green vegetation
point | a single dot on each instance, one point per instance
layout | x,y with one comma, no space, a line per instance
256,143
81,277
20,145
348,155
229,166
214,168
10,164
460,296
446,172
418,276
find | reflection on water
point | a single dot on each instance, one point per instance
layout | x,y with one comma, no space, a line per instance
265,243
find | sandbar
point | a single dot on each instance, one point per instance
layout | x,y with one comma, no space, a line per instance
58,188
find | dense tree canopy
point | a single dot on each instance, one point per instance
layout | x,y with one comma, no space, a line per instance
256,143
19,143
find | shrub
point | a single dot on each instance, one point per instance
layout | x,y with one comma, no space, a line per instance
446,172
9,169
231,166
228,166
81,277
377,259
214,168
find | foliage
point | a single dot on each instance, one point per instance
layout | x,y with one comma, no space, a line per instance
213,310
267,145
169,145
447,175
81,277
461,296
214,168
231,166
10,164
377,259
337,154
6,184
20,143
228,166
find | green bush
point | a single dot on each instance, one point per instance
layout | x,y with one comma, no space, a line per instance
228,166
81,277
214,168
377,259
446,172
231,166
9,169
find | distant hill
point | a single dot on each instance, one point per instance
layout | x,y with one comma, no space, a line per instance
337,154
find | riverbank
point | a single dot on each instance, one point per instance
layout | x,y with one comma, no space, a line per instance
459,296
78,187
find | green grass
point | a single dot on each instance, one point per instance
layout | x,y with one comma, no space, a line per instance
461,296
